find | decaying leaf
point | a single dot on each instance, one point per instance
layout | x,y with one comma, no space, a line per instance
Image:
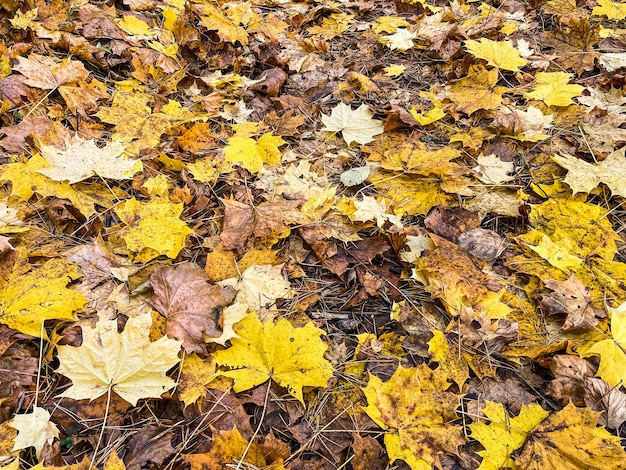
292,357
192,307
126,363
417,411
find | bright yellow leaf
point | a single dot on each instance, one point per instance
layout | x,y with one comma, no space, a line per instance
504,434
570,440
557,254
114,462
292,357
195,375
449,360
612,368
418,413
252,154
612,10
497,54
27,180
553,89
32,296
389,24
126,363
214,19
135,26
152,228
394,70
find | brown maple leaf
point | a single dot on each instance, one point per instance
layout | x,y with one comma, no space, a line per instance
190,304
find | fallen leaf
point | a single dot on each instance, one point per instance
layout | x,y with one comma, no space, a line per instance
553,89
492,170
504,434
572,298
252,154
600,396
192,307
355,126
151,229
497,54
82,159
126,363
584,177
34,430
417,411
260,286
569,439
151,444
292,357
401,40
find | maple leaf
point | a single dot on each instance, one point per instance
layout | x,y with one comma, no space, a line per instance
195,375
354,125
492,170
553,89
152,228
190,304
612,368
441,352
497,54
126,363
504,434
584,177
34,430
572,298
292,357
28,299
260,286
252,154
82,159
570,440
230,447
610,9
45,73
477,90
401,40
27,180
417,411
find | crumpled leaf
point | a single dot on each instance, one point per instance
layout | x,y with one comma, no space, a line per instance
600,396
569,440
190,304
584,177
230,447
504,434
572,298
292,357
417,411
126,363
83,159
34,429
354,125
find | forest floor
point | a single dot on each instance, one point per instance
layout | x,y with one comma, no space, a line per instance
357,235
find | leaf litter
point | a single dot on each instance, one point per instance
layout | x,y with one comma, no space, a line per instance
362,235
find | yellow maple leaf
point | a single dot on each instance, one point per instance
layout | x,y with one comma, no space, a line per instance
152,228
394,70
135,26
332,26
252,154
126,363
34,430
584,177
214,19
389,24
570,440
354,125
553,89
83,159
30,297
504,434
610,9
497,54
292,357
477,90
195,375
417,411
114,462
556,253
27,180
612,368
448,359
